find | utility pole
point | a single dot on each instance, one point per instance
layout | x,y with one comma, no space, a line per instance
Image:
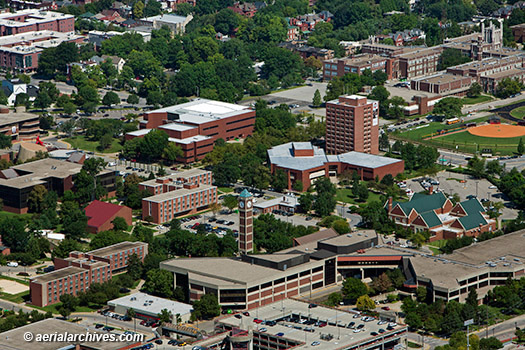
468,323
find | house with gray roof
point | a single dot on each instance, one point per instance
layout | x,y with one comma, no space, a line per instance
437,214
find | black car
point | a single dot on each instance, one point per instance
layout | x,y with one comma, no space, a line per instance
351,325
158,341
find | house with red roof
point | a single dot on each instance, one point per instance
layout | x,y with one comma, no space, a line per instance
101,214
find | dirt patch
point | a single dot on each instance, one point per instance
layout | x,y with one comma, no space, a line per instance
498,130
12,287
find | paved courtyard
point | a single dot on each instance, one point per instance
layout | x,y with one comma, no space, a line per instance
12,287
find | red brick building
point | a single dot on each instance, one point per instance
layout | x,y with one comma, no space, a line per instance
338,67
101,214
34,20
303,162
436,214
443,84
178,194
196,125
352,124
77,272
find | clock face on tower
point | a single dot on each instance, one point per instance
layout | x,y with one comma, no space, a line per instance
249,204
241,205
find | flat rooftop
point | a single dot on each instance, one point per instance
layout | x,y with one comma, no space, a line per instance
202,110
506,73
443,78
365,160
151,305
35,41
189,140
13,118
166,18
177,193
174,176
230,270
14,339
58,274
140,132
359,60
279,310
176,127
34,16
351,238
115,248
283,156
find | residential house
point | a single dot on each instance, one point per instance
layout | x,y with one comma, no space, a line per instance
14,87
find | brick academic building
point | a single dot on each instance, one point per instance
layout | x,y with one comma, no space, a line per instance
303,162
77,272
196,125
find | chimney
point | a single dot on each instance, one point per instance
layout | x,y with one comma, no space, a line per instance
431,189
389,204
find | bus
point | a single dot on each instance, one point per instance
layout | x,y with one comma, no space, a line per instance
452,121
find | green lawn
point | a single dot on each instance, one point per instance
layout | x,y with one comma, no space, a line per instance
5,214
474,100
15,298
439,244
518,112
345,195
467,142
225,189
80,142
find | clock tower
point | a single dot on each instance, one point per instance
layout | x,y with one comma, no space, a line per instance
245,222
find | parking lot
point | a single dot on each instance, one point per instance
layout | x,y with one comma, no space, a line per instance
464,185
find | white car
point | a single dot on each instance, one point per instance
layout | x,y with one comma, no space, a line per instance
112,164
493,187
12,264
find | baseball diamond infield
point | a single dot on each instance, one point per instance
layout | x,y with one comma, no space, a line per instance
498,130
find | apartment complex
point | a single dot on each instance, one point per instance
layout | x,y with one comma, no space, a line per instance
17,182
178,194
34,20
20,126
443,84
21,51
177,24
256,280
196,125
436,214
301,161
26,33
352,124
77,272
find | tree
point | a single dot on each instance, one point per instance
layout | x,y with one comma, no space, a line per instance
14,234
382,283
165,316
491,343
521,147
325,202
380,94
421,293
341,226
384,144
353,288
449,107
171,152
74,220
138,10
298,186
110,98
119,224
35,199
316,102
70,108
279,180
229,202
215,208
133,99
477,166
105,142
334,299
474,90
452,57
365,303
206,307
153,144
306,201
42,100
5,141
508,87
159,282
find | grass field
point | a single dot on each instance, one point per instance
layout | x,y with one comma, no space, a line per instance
225,189
80,142
5,214
474,100
15,298
345,195
467,142
432,128
518,112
